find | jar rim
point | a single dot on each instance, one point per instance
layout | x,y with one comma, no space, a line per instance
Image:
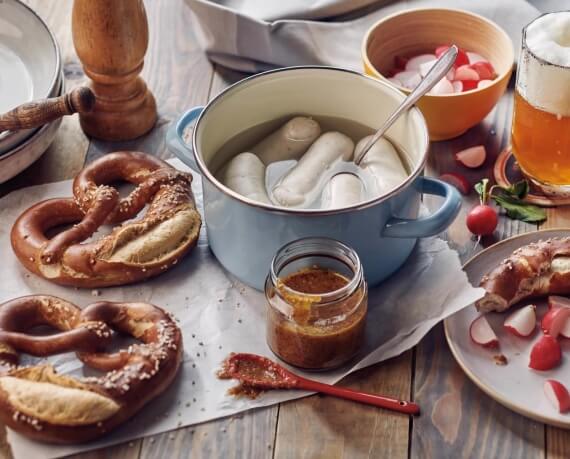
287,254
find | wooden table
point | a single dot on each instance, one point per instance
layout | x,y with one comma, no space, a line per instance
458,420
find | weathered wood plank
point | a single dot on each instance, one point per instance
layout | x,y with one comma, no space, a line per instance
327,427
458,419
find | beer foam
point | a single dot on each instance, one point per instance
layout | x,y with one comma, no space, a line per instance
544,68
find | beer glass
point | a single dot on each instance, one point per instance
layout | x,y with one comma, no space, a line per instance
541,118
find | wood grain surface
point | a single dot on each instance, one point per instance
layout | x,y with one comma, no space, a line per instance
458,420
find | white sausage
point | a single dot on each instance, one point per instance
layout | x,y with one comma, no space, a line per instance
245,174
290,141
342,190
383,163
297,186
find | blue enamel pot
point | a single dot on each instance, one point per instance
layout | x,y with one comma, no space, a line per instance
244,234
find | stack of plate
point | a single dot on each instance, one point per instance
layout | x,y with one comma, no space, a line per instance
30,68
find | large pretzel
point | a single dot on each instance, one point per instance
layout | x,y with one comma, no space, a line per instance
37,402
134,251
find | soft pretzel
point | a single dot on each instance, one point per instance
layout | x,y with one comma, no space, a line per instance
134,251
540,268
37,402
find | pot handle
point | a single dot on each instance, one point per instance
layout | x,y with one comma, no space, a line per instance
433,224
175,140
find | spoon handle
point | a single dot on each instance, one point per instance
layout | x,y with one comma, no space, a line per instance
36,113
436,73
393,404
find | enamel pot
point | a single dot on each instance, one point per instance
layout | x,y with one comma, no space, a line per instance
244,235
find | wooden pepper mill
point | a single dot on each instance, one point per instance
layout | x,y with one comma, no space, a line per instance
111,38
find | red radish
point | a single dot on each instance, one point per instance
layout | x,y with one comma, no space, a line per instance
461,59
468,85
451,74
458,181
556,322
558,302
457,86
557,394
472,157
466,73
522,322
474,57
484,84
442,87
415,62
482,220
400,62
484,69
545,354
408,79
481,333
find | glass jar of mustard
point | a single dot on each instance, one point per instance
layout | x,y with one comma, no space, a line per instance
317,301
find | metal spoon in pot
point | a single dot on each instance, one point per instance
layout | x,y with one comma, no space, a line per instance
258,372
277,171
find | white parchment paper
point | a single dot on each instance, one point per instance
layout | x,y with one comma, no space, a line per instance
219,315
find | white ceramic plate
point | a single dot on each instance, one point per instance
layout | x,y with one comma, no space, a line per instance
513,385
30,63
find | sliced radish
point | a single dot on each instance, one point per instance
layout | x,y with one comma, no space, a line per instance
522,322
461,59
555,322
558,302
457,86
426,67
481,333
545,354
468,85
395,81
466,73
458,181
484,69
484,83
442,87
400,62
557,394
472,157
415,62
408,79
474,57
451,74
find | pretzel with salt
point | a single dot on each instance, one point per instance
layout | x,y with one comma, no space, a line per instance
37,402
136,250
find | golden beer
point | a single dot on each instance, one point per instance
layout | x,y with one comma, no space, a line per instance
541,118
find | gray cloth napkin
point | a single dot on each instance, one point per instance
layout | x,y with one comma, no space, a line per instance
256,35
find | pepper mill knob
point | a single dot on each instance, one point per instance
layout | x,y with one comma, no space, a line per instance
111,39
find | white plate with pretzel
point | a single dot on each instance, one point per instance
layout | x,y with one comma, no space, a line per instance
524,270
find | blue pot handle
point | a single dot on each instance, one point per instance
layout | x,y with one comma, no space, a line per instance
435,223
175,140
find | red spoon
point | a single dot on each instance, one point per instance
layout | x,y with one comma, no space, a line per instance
259,372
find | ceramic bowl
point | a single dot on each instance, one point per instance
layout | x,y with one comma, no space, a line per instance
421,31
23,155
30,63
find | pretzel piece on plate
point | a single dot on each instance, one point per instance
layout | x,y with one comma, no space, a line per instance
136,250
37,402
536,269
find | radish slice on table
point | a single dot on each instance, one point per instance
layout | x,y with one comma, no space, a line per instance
484,69
472,157
442,87
545,354
466,73
474,57
408,79
415,62
481,333
458,181
557,394
522,323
